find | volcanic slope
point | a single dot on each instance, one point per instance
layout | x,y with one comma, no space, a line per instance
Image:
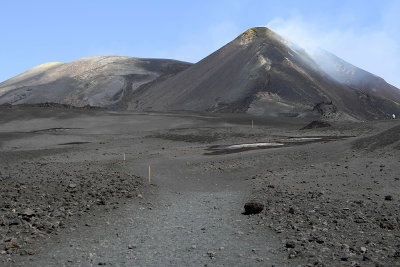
102,81
354,77
261,73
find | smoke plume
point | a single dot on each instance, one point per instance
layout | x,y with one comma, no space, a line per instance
373,50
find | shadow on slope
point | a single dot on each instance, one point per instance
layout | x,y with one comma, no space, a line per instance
381,140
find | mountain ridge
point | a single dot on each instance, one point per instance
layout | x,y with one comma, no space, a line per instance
97,81
259,73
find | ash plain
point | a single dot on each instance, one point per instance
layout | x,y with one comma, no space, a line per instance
69,199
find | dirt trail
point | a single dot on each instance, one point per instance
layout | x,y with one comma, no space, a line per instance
182,220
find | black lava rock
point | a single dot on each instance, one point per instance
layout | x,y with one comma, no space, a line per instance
253,208
388,198
290,244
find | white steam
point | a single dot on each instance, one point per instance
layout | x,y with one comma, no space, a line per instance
375,50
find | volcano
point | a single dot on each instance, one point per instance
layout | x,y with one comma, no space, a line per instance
258,73
101,81
263,74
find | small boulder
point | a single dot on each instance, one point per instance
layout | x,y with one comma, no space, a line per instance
253,208
27,212
211,254
133,246
396,254
290,244
13,244
344,257
388,198
100,202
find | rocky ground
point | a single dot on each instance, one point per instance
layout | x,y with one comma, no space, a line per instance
39,198
69,199
340,210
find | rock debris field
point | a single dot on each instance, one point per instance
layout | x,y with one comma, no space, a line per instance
329,196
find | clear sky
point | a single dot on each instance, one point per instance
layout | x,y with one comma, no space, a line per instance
365,33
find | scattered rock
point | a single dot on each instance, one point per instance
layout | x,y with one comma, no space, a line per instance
291,210
388,198
365,257
211,254
27,212
396,254
13,244
25,252
100,202
345,247
344,257
132,246
290,244
43,198
253,208
292,255
386,225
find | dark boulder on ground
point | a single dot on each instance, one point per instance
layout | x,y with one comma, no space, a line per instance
388,198
253,208
290,244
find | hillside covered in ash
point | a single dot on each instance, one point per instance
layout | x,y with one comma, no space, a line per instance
259,73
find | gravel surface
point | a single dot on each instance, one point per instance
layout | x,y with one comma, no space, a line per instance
69,199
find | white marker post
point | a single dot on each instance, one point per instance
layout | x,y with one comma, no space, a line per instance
149,174
252,124
124,157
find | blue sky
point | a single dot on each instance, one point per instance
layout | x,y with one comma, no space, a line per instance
365,33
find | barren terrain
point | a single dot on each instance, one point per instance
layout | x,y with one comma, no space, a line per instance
331,194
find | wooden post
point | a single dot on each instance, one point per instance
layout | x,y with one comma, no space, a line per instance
149,174
252,124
